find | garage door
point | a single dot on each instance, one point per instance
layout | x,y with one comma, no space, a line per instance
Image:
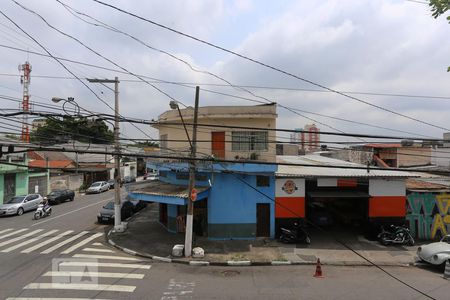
41,182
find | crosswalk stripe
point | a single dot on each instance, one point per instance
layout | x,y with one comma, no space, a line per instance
106,257
29,241
6,230
20,237
80,286
97,264
30,298
40,245
12,233
98,250
51,249
95,274
97,244
82,243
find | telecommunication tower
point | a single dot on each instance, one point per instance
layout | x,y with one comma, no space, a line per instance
25,81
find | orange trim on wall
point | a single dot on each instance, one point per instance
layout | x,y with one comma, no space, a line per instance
347,182
387,206
290,207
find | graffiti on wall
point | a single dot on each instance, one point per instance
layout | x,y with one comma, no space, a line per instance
428,215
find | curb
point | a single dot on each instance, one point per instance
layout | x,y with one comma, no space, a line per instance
246,263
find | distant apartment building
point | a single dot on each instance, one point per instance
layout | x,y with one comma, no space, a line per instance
36,123
307,139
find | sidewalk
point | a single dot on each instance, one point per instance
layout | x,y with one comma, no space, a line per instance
146,237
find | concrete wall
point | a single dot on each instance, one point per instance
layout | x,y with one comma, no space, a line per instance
232,206
387,198
72,181
428,214
413,156
440,157
172,217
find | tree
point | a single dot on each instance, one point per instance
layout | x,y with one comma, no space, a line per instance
438,8
69,128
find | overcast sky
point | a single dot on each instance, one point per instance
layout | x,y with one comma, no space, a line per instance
368,46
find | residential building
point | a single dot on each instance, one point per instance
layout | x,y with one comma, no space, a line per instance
235,198
307,139
36,123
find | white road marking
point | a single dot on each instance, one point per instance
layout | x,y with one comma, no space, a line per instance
110,265
98,250
178,288
6,230
29,241
28,298
51,249
35,247
80,286
95,274
71,212
97,244
13,233
20,237
82,243
106,257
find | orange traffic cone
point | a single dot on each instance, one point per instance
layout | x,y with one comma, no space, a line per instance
318,273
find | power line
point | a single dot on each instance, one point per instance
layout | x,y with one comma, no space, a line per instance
265,65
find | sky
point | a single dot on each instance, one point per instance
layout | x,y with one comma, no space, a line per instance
357,47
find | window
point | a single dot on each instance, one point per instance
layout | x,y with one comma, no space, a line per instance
249,140
262,180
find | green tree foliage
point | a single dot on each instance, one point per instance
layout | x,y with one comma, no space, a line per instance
69,128
438,8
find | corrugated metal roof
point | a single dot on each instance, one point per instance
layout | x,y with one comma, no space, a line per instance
160,188
312,162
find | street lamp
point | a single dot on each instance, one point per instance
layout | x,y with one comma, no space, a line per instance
192,168
68,100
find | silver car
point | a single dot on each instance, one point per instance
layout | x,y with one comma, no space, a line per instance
435,253
17,205
98,187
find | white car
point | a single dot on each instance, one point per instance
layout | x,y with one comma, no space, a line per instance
17,205
435,253
98,187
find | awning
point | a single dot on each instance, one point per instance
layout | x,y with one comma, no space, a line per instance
338,194
162,192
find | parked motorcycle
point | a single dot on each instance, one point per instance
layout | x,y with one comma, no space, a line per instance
296,234
42,211
395,235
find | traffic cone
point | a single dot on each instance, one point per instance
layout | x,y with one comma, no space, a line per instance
318,273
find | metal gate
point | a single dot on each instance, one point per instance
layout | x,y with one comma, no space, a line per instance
10,187
41,182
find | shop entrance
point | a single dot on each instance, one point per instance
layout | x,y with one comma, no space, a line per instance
200,219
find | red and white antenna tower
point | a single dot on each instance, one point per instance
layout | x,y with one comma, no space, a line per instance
25,80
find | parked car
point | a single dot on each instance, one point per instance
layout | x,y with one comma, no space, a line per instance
435,253
128,179
151,176
17,205
106,213
58,196
320,215
98,187
111,183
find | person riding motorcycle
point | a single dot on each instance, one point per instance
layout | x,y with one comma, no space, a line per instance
45,203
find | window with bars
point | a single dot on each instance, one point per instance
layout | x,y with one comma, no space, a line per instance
249,140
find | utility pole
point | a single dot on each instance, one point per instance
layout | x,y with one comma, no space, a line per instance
117,215
192,169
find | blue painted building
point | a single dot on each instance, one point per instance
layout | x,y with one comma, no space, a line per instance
235,200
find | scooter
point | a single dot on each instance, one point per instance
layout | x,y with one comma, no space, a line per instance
294,235
396,235
42,211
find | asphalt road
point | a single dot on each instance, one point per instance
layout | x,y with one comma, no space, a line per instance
68,259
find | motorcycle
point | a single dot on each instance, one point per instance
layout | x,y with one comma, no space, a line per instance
294,235
396,235
42,211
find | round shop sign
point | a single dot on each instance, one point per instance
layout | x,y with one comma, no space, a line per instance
289,187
